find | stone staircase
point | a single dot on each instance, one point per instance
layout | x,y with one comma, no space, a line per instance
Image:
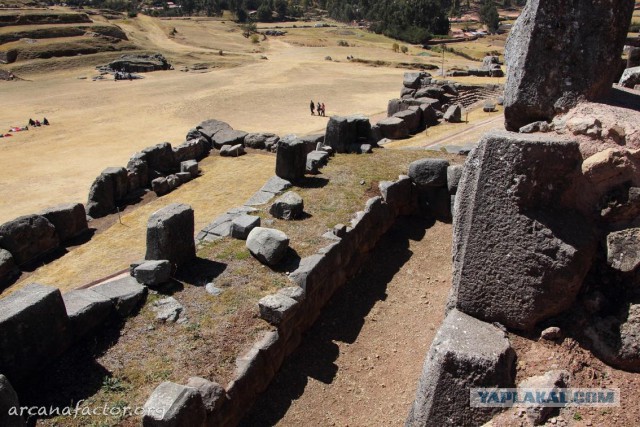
469,95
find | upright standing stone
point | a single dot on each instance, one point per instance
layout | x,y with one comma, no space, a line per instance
174,405
69,220
170,234
560,51
466,353
521,249
34,329
28,237
291,159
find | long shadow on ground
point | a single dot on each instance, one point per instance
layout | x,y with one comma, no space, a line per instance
341,320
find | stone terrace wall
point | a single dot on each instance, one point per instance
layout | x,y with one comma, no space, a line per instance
293,310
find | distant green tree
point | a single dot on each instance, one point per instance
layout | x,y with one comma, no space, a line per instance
489,15
264,12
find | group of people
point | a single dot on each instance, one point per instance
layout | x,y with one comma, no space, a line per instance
319,108
37,123
32,123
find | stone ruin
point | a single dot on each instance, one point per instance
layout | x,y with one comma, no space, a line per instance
545,230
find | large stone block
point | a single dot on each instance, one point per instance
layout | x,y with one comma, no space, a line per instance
153,273
465,353
412,118
69,219
28,237
125,293
209,128
170,234
228,137
34,330
288,206
393,128
340,133
174,405
559,52
106,190
428,173
521,250
8,269
161,158
291,159
87,310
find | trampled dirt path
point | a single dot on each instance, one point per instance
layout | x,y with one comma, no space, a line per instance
360,363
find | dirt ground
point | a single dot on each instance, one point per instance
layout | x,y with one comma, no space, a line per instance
359,364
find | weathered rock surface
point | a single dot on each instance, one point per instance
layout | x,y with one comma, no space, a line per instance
28,237
242,225
167,309
209,128
268,245
35,329
343,131
426,173
288,206
315,160
549,380
153,273
276,308
191,167
291,159
630,77
412,118
556,29
521,250
69,220
228,137
173,405
170,234
465,353
623,250
393,128
8,269
125,294
138,63
87,310
212,394
454,173
161,158
454,114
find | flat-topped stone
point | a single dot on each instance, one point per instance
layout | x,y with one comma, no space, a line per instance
125,293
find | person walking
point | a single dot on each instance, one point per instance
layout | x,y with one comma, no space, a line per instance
312,106
318,108
323,110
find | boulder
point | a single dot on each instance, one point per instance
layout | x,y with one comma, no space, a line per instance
540,126
268,245
235,151
426,173
257,140
411,117
277,308
396,194
167,309
153,273
161,158
69,220
184,177
106,190
315,160
228,137
173,405
138,63
312,141
190,166
454,114
173,182
160,186
395,106
8,401
212,394
288,206
558,29
630,77
87,310
340,133
489,106
209,128
622,206
393,128
435,92
553,380
125,294
521,249
8,269
34,330
170,234
137,174
195,149
551,333
466,353
623,250
28,237
242,225
616,338
414,80
291,159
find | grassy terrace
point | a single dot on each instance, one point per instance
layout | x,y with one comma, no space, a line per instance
127,361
